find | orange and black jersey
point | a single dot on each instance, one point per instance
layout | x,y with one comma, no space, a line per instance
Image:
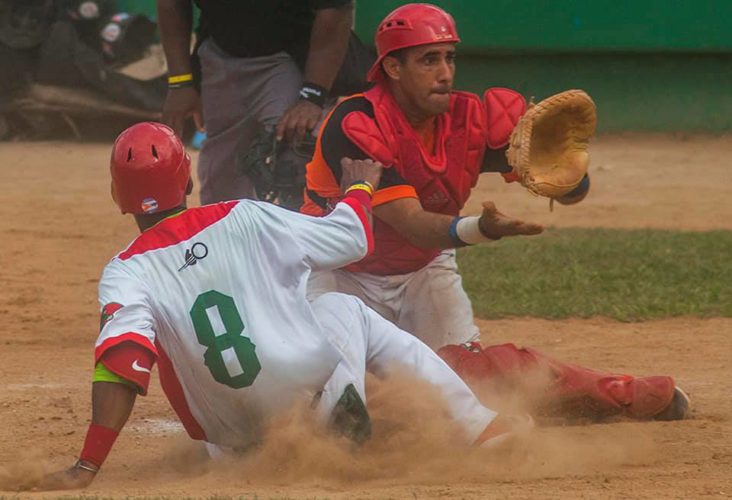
324,171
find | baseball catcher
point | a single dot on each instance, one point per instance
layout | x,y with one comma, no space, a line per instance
437,141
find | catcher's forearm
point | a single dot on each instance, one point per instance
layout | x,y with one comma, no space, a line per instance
328,44
175,19
422,229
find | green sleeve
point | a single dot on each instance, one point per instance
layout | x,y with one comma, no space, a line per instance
103,374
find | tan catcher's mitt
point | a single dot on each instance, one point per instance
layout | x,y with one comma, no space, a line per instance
548,148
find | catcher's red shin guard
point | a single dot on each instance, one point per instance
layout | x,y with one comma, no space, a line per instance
568,390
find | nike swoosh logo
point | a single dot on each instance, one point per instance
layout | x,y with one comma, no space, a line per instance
136,366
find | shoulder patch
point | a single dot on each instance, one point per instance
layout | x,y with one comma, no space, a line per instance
108,313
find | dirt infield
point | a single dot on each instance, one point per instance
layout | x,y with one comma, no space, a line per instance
58,227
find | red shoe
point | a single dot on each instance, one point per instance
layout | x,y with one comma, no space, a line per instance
647,397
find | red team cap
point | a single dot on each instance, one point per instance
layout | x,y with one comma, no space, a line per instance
409,26
150,169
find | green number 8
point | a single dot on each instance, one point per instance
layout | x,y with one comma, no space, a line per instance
230,357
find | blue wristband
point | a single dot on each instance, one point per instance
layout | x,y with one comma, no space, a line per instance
453,233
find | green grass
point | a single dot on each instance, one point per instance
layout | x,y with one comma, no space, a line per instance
628,275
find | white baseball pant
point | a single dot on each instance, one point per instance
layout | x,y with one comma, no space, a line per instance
431,303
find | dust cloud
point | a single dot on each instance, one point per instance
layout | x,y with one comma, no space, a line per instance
413,441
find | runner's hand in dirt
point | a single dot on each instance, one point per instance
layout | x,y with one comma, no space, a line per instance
298,120
179,105
360,170
495,224
73,478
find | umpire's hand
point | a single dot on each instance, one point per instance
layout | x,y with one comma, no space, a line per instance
298,120
179,105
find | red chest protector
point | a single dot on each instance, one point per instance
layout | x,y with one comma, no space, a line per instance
442,179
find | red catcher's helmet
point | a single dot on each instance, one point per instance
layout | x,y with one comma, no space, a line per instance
150,169
409,26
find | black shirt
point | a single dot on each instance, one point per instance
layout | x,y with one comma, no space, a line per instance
251,28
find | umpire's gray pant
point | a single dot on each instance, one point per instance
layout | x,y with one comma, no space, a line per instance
238,94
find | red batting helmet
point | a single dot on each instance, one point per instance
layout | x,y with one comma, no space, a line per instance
409,26
150,169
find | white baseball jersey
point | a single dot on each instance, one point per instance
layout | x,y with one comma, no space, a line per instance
218,292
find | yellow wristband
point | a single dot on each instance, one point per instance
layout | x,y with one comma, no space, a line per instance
363,185
188,77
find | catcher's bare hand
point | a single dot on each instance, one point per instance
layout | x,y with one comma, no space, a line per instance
72,478
495,224
298,120
360,170
179,105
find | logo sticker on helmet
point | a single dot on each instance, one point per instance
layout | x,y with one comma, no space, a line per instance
149,205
